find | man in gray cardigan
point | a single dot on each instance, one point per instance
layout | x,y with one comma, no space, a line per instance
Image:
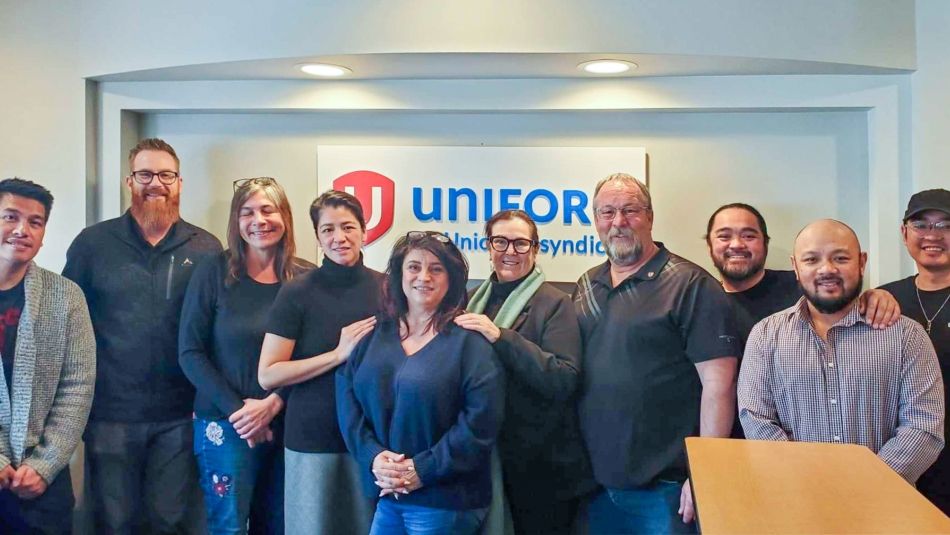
48,351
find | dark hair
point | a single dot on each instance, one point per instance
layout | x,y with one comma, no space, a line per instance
513,214
456,297
28,189
332,199
152,143
741,206
284,264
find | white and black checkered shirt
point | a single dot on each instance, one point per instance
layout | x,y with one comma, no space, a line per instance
878,388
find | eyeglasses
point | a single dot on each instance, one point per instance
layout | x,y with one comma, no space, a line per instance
922,227
608,213
257,181
145,177
419,235
500,244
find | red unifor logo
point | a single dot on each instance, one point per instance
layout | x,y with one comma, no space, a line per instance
376,193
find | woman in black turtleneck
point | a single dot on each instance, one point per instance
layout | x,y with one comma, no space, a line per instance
534,330
315,323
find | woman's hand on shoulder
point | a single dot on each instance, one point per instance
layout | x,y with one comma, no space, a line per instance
480,324
351,335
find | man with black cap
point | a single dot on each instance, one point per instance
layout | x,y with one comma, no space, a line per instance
924,297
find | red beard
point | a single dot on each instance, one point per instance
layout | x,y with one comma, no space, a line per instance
155,216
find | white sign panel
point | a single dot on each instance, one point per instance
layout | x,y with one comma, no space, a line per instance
454,190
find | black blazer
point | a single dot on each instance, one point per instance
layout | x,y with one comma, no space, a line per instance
540,444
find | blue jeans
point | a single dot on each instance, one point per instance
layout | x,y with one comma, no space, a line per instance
650,509
50,512
239,483
394,518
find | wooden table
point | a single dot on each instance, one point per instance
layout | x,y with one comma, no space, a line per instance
755,486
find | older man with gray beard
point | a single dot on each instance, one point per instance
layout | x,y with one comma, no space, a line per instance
659,365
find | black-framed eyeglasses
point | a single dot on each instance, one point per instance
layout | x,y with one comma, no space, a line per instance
501,243
145,177
608,213
417,235
257,181
922,227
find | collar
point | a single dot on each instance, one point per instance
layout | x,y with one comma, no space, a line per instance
339,273
802,314
647,272
501,290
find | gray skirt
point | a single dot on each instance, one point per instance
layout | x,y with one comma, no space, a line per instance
322,495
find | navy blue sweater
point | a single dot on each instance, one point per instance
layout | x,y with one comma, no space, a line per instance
441,406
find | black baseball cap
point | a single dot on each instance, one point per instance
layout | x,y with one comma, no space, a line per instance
929,199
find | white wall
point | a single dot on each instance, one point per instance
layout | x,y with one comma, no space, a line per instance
865,32
931,96
795,167
42,112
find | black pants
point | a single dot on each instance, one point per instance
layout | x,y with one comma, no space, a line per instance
535,512
49,513
142,478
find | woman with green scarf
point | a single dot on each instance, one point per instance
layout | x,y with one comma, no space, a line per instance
533,328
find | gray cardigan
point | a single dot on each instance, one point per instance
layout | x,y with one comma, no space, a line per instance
54,376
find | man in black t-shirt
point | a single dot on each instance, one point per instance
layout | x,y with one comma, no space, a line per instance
49,366
924,297
659,365
738,241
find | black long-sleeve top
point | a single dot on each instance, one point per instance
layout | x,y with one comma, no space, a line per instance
222,329
442,406
135,291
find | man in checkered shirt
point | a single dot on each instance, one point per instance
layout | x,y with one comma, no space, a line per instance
818,372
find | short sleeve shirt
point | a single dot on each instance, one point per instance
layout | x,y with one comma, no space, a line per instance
641,391
311,310
776,291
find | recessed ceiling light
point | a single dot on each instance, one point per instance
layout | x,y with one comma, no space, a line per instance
606,66
324,69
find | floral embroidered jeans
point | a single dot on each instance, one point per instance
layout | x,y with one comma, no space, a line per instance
243,487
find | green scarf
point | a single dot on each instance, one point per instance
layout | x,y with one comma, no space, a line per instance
515,302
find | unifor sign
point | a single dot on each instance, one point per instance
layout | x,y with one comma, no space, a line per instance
454,190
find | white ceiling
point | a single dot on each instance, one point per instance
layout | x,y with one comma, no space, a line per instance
491,66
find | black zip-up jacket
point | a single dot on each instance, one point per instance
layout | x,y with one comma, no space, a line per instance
134,292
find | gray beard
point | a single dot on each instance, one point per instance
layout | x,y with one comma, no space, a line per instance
624,254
